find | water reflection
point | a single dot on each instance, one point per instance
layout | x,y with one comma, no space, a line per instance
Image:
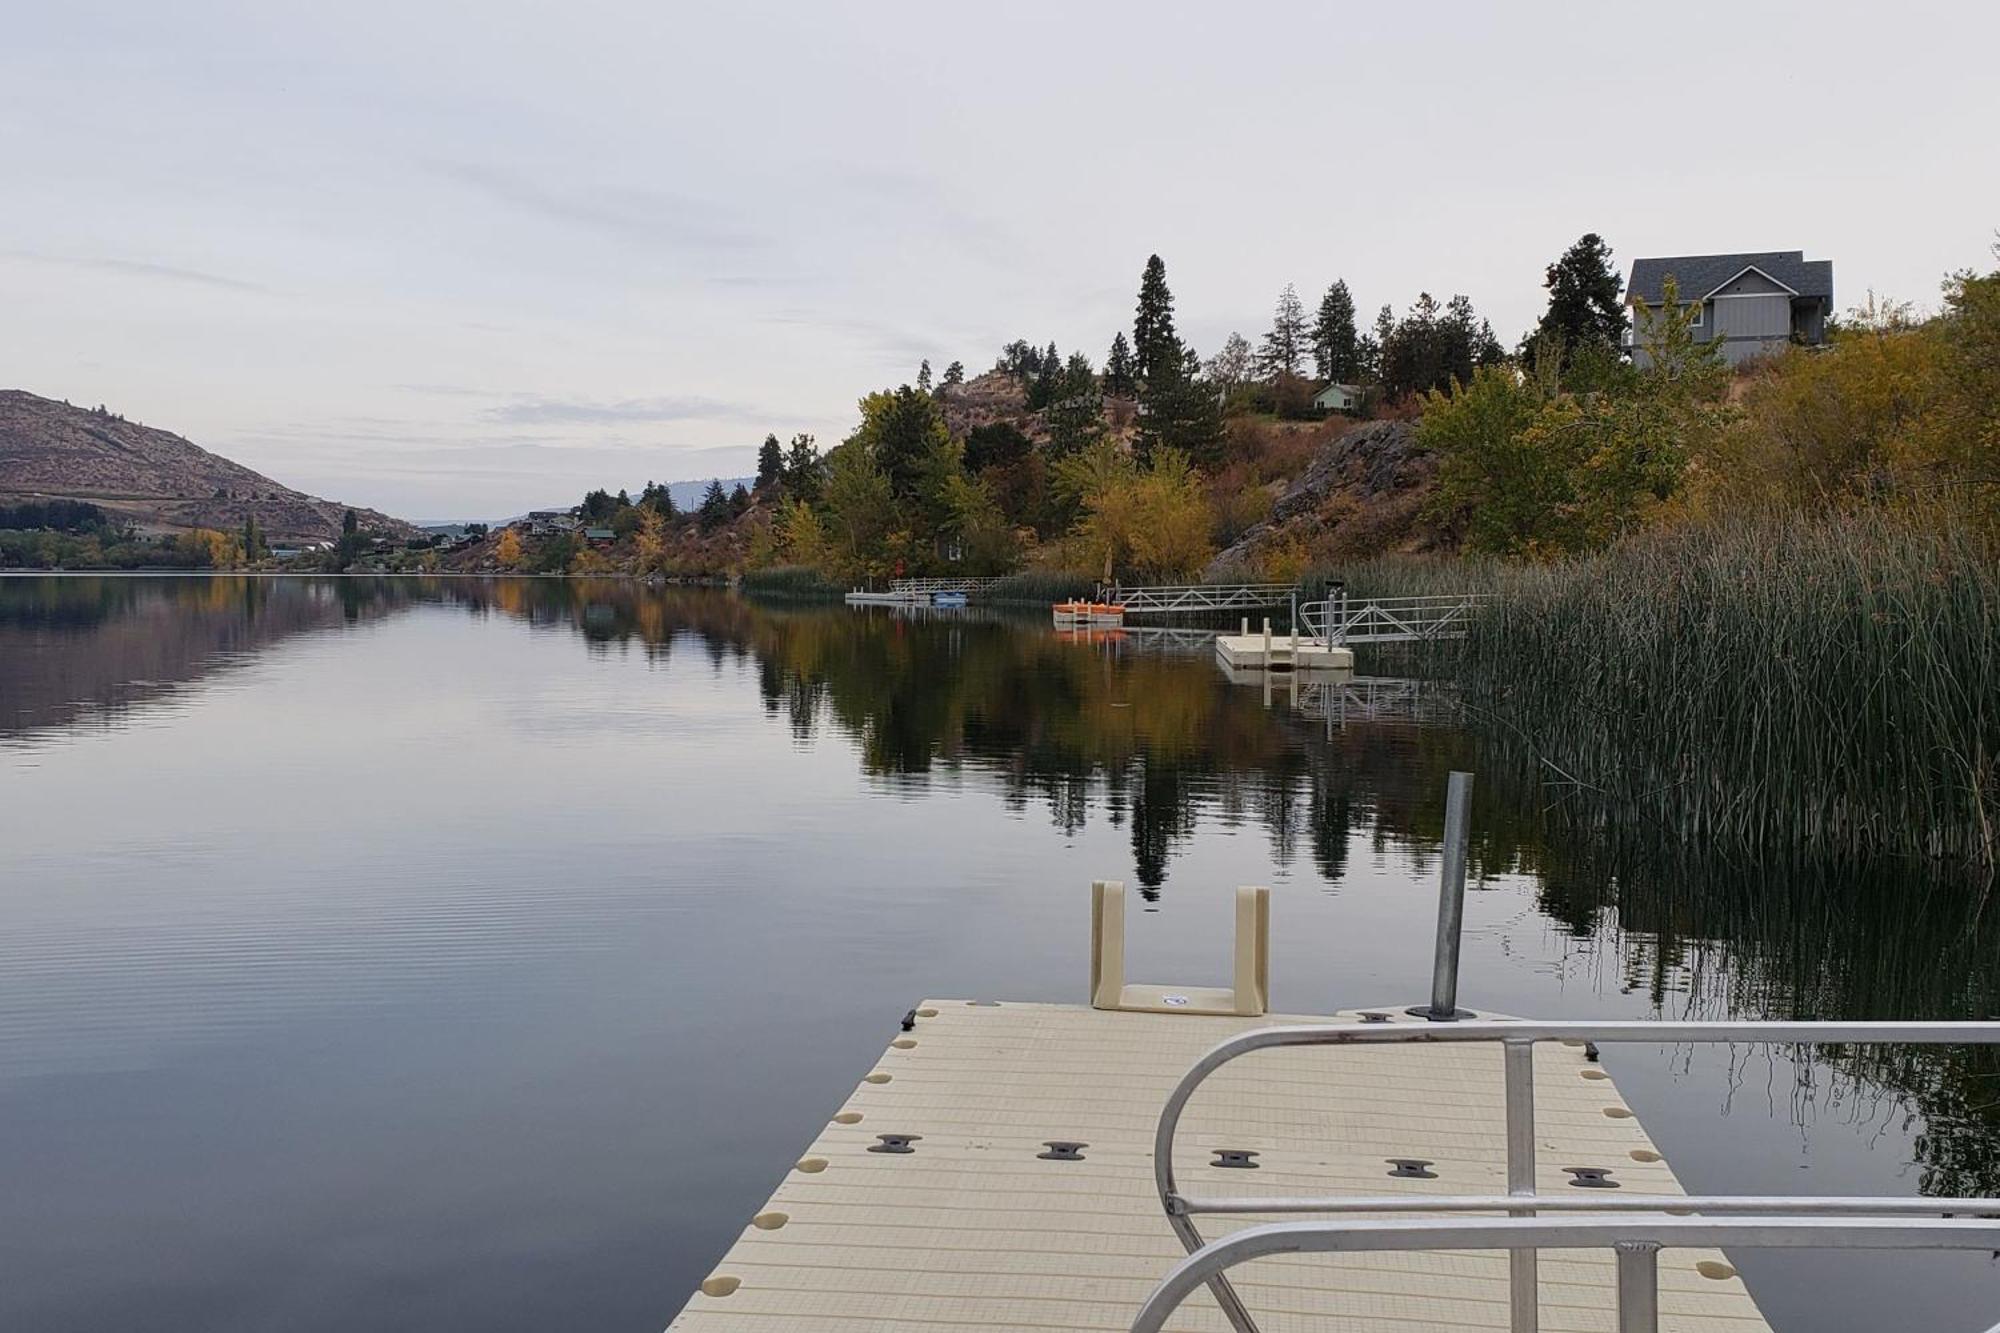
1149,739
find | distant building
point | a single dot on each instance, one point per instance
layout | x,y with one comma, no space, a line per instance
544,521
1750,303
599,536
1338,398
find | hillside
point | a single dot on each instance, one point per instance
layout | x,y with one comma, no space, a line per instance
153,478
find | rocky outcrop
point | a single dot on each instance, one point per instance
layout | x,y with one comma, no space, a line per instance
985,399
152,477
1363,494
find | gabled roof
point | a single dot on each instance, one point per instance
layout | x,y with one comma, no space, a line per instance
1698,275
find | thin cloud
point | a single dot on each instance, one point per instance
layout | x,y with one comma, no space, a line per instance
624,210
139,268
578,411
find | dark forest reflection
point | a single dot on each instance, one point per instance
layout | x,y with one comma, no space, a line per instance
1156,743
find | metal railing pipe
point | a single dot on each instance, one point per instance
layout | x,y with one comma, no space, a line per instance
1603,1201
1510,1233
1519,1038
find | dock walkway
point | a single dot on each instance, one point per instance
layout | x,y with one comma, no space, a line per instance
940,1197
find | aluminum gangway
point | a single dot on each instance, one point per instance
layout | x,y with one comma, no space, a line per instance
931,586
1196,598
1785,1221
1344,620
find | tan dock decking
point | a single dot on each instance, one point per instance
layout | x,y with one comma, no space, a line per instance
972,1230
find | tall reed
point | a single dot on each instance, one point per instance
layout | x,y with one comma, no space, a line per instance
1826,683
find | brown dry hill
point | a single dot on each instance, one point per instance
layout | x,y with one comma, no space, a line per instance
158,480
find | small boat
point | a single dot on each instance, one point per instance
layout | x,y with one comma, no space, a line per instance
1084,615
862,597
949,599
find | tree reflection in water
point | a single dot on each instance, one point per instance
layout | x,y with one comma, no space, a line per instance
1157,743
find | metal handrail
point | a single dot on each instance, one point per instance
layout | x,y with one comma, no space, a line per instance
1343,619
1518,1040
1636,1241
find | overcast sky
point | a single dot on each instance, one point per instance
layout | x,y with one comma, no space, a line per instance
458,260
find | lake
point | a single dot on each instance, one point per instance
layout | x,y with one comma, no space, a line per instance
477,954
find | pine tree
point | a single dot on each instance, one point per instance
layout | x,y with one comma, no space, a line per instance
1584,306
954,374
1335,344
770,463
1183,412
902,431
802,469
1156,348
1120,379
739,499
714,506
1045,386
1284,346
924,376
660,499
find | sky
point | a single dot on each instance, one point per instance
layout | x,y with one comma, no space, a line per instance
460,260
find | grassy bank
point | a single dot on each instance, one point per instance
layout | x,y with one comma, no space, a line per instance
1831,684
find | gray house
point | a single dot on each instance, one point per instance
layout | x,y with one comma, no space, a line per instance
1750,303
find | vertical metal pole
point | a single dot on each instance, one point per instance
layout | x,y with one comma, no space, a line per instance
1638,1286
1451,900
1522,1268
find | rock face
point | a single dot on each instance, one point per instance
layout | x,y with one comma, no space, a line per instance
1363,494
153,477
985,399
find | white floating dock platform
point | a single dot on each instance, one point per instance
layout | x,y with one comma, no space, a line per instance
933,1201
1266,651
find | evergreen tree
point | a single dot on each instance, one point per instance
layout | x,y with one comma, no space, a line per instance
1077,377
1120,377
1584,307
954,374
739,499
1156,348
995,444
714,509
802,469
924,376
1183,412
902,432
659,499
1076,414
1285,345
770,463
1336,346
350,524
1021,359
1044,388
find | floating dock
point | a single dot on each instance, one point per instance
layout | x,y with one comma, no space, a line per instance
1265,651
943,1195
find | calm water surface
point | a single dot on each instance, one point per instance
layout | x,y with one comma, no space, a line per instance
475,955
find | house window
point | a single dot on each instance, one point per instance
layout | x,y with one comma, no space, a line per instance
1700,312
